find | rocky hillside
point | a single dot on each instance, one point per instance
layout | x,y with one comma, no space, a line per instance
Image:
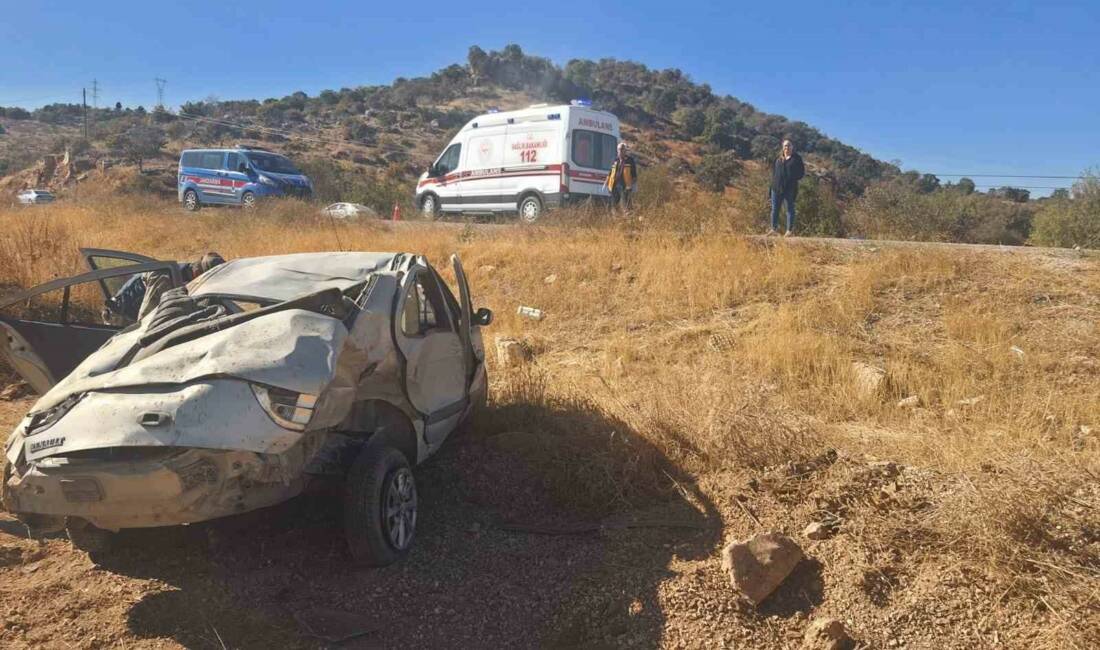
388,133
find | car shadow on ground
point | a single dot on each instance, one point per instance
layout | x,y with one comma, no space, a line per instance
539,526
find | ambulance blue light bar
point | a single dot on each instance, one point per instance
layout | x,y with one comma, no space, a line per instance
494,109
581,102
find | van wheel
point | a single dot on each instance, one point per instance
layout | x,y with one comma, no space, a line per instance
429,207
380,506
191,201
248,200
530,209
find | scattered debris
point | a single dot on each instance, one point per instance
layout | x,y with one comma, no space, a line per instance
486,269
721,341
868,379
818,530
826,634
531,313
550,279
15,391
333,625
760,564
913,401
1017,351
511,352
971,401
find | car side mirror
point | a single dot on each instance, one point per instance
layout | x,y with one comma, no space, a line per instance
432,171
483,317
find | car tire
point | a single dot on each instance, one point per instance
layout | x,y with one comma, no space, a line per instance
191,201
529,208
96,542
248,200
380,506
429,207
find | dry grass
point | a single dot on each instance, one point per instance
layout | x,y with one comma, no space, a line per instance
670,354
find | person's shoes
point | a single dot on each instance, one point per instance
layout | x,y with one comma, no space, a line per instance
771,233
787,234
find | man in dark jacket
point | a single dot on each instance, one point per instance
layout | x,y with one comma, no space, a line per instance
787,172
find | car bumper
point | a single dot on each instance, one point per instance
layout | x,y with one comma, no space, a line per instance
175,487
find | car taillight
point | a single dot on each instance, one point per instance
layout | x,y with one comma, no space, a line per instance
289,409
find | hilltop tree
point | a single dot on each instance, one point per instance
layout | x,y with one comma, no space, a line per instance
692,121
966,186
137,144
477,60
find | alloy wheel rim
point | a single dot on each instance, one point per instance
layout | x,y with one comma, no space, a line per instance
530,210
399,509
429,205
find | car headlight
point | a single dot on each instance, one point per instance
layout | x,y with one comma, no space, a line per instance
267,180
287,408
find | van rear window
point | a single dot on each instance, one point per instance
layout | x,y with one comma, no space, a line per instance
593,150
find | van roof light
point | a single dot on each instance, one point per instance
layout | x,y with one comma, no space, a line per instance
581,102
494,109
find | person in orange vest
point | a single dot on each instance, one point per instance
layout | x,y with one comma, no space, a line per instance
622,180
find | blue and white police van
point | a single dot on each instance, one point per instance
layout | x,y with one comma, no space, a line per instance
238,176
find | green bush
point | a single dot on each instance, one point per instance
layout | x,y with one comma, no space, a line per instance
816,210
717,171
901,210
1071,222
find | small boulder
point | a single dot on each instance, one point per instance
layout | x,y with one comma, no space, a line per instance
550,279
759,565
868,379
510,352
911,402
971,401
826,634
817,530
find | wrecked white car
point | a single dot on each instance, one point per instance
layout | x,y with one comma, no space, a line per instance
237,390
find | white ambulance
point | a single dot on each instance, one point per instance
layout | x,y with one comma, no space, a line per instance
525,161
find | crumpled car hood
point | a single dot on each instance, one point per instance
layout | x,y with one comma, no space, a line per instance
292,349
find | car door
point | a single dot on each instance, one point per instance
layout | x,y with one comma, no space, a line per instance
56,324
213,185
447,178
104,258
238,174
431,345
465,325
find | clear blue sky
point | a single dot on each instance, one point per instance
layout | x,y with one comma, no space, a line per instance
1005,87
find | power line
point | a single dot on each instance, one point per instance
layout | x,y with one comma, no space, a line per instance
1073,178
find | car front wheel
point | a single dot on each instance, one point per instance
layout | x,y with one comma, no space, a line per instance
248,200
380,506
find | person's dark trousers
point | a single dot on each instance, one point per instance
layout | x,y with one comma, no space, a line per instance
620,195
789,197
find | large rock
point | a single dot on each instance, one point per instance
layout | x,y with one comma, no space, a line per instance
510,352
759,565
868,380
826,634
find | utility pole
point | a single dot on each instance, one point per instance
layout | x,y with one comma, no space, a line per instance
84,102
160,92
95,101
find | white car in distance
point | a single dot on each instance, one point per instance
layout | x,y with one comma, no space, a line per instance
348,211
35,197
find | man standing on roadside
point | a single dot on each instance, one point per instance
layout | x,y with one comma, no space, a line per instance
787,172
622,180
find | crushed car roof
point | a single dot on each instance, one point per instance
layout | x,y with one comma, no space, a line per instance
283,277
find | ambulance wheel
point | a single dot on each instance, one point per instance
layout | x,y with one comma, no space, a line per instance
530,208
248,200
191,201
429,207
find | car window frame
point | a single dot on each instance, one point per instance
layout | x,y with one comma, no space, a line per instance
443,319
